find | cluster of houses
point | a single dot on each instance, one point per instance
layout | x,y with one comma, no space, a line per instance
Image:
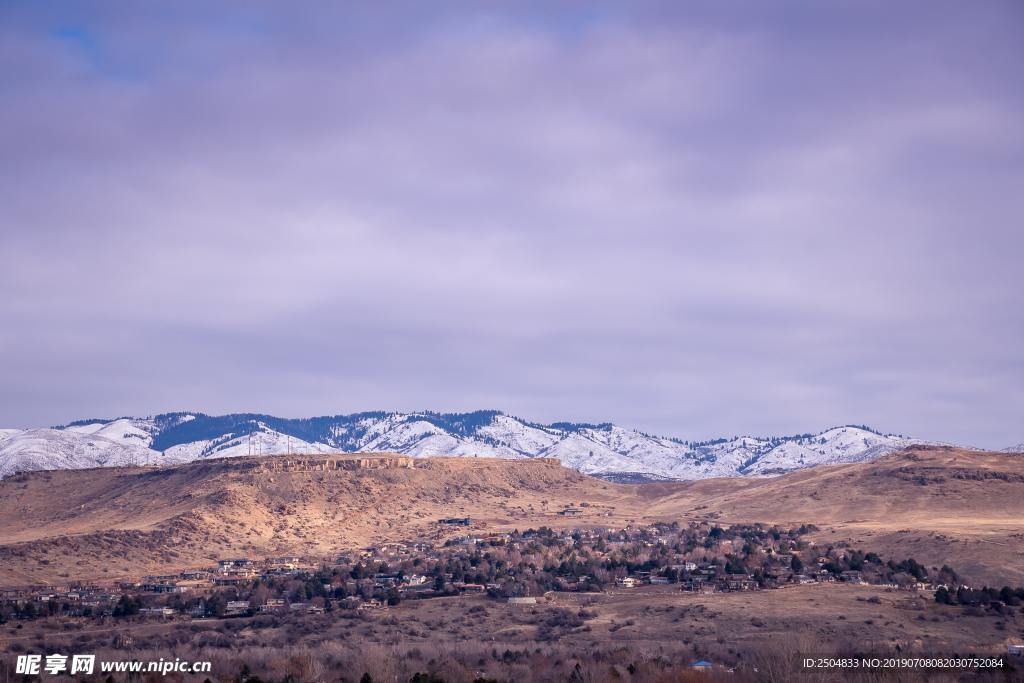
103,598
82,600
708,577
513,566
700,559
230,572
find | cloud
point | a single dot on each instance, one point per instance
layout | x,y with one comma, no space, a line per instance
695,222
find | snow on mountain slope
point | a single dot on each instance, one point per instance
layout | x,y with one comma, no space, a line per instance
516,436
784,457
778,455
52,449
603,450
420,438
265,441
596,451
1019,448
588,455
122,430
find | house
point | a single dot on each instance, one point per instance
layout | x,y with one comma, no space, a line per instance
626,582
697,585
737,582
232,580
156,612
387,579
199,610
522,601
305,607
235,569
284,562
351,602
236,608
272,605
415,580
1015,650
659,581
421,591
165,587
691,584
194,575
232,566
187,585
702,665
456,521
373,604
852,577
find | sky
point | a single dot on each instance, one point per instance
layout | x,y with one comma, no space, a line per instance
695,219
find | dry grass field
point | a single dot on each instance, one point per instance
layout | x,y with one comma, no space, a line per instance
635,635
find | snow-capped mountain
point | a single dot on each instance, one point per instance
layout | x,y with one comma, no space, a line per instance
600,449
57,449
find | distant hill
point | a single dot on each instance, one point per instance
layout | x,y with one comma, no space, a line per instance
604,450
107,523
937,504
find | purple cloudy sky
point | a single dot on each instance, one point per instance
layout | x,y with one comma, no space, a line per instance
697,219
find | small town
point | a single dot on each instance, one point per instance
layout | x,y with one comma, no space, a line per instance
520,568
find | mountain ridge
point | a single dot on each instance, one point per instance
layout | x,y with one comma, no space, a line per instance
600,449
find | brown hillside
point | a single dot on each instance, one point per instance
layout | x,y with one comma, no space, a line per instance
937,505
108,523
